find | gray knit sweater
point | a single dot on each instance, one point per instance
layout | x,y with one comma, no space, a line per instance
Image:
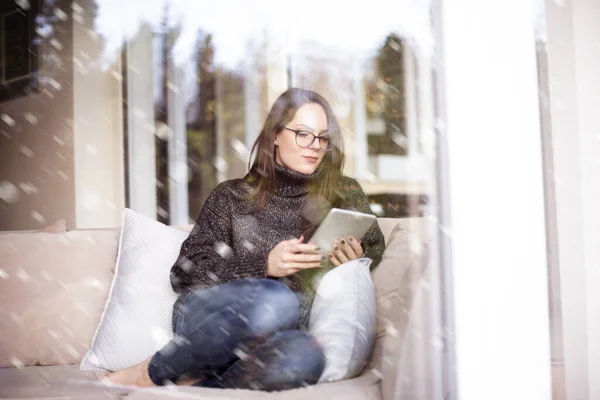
231,241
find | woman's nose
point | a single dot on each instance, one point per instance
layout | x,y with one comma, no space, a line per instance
316,144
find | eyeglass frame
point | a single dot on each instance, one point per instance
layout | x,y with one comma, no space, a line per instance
315,137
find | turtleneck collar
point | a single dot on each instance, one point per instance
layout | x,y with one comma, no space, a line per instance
292,183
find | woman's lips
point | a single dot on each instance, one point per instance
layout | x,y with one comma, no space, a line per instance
311,159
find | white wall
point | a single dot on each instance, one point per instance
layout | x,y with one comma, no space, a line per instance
496,198
574,134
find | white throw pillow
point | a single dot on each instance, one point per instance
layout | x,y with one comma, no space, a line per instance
136,321
342,319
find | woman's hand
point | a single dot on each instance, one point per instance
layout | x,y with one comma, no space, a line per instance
290,256
345,250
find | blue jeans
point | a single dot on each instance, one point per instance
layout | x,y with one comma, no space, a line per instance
242,334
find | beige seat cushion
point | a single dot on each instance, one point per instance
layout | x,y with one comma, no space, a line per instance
360,388
52,290
395,280
55,382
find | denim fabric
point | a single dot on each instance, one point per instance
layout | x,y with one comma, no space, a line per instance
242,334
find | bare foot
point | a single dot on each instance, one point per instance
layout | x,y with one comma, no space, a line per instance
136,375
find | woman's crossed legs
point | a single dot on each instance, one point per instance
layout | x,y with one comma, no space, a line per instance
242,334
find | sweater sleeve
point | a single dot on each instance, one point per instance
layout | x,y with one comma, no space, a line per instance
206,257
353,198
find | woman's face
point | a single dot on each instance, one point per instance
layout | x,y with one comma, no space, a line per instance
310,118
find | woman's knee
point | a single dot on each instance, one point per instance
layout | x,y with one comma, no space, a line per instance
302,359
274,307
265,305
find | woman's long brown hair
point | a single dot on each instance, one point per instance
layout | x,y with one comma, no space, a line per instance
261,173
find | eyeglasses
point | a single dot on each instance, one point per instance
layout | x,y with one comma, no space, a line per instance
306,139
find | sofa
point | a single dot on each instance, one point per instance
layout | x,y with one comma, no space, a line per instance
53,287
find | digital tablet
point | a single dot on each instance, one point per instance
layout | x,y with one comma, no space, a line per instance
341,223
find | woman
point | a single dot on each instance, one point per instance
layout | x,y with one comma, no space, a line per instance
243,273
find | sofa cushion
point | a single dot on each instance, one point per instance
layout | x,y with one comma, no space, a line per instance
59,226
52,289
360,388
396,280
342,319
55,382
137,318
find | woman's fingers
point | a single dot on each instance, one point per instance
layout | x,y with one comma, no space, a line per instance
339,254
333,259
302,257
355,244
295,266
303,248
347,249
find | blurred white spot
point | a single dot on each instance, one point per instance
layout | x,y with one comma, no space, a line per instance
117,76
76,8
171,86
437,343
213,277
32,119
62,175
160,336
22,275
8,120
55,84
425,285
24,4
9,192
220,164
139,113
240,148
80,66
28,188
377,373
242,355
91,201
60,14
91,149
163,131
48,93
78,18
16,362
58,140
223,250
225,331
27,151
38,217
248,246
46,275
71,350
44,30
56,44
391,330
93,282
259,362
243,317
3,274
377,209
53,334
185,263
16,317
162,212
